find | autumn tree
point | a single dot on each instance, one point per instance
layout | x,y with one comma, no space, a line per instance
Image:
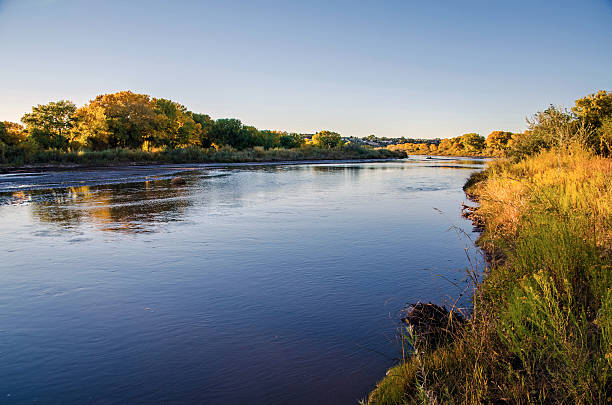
11,133
594,108
593,111
472,142
130,117
91,129
498,140
327,139
445,144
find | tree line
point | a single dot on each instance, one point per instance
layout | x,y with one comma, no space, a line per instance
127,120
589,123
137,121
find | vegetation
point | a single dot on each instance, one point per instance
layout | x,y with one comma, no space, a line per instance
130,127
540,329
374,140
589,122
470,144
199,155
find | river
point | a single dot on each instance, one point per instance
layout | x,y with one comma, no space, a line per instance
268,284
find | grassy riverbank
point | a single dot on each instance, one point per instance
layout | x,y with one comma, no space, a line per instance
541,327
192,155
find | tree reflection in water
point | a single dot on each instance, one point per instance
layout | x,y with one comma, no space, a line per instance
129,207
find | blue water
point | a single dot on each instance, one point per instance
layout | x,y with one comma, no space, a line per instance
259,285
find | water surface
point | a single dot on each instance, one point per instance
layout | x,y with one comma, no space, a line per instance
260,285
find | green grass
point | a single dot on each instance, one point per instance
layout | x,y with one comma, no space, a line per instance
15,158
541,328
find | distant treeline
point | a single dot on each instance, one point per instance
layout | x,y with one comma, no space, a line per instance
137,121
383,140
589,122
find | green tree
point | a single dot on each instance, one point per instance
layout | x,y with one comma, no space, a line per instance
174,125
546,129
49,125
266,138
205,124
229,131
551,127
291,141
327,139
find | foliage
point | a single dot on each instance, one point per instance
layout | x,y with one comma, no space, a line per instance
498,141
327,139
11,133
91,129
130,117
470,144
291,140
128,120
588,124
229,131
205,123
175,126
592,109
49,124
595,113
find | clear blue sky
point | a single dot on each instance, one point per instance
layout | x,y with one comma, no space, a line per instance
392,68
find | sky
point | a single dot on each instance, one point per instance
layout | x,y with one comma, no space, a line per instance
390,68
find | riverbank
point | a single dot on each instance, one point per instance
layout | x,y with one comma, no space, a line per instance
177,167
541,326
114,157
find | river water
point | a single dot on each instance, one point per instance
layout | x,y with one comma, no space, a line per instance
250,284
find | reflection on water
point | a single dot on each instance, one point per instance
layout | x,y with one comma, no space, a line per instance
116,207
133,206
249,284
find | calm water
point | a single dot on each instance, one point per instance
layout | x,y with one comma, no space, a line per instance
259,285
